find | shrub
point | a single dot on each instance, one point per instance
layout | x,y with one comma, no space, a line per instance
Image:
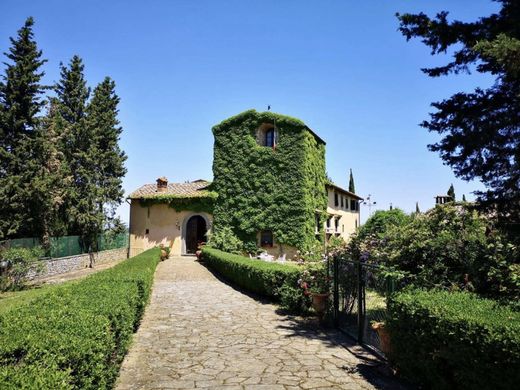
75,337
454,340
450,247
382,221
17,263
225,240
253,275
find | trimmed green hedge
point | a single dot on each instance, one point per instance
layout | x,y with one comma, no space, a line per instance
76,336
454,340
256,276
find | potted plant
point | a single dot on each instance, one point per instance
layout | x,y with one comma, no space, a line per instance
316,283
165,252
198,252
384,336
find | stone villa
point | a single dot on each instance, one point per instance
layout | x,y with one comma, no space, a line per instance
270,187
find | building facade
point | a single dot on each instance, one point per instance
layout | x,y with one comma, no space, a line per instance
270,188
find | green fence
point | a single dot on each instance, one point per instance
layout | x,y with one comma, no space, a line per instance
70,245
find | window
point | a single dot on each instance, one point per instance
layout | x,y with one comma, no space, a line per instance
342,201
328,222
317,219
147,231
336,202
352,205
336,224
269,138
266,238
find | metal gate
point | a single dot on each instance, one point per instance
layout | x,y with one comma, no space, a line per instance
360,292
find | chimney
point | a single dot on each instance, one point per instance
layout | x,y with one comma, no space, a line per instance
162,184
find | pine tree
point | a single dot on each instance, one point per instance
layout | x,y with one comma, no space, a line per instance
351,186
417,208
20,103
451,193
480,129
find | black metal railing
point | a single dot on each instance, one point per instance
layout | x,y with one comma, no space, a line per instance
360,293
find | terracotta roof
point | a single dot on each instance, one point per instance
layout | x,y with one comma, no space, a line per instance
192,189
338,188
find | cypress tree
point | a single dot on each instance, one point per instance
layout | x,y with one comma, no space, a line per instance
417,208
351,186
451,193
104,126
52,179
99,165
20,103
72,91
70,104
464,198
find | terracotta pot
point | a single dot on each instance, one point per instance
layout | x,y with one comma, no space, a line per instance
164,254
384,336
319,303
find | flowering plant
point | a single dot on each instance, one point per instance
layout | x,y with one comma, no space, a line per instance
314,279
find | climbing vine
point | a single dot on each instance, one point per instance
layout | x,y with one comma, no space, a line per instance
263,188
204,201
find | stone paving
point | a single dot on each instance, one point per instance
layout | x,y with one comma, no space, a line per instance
198,332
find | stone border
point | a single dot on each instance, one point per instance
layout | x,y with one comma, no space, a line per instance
73,263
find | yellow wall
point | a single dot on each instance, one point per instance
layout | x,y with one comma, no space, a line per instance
165,227
348,220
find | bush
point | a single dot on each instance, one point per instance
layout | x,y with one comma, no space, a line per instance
75,337
454,340
253,275
450,247
225,240
16,265
382,221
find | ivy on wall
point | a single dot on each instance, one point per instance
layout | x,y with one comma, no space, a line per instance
264,188
204,201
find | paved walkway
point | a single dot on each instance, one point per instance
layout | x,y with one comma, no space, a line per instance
199,332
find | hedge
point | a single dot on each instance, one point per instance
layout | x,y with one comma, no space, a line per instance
253,275
448,340
75,337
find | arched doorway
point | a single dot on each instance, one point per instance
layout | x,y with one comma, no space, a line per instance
196,229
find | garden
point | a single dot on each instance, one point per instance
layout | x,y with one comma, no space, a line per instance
444,285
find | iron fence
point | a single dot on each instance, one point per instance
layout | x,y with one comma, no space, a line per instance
360,293
69,245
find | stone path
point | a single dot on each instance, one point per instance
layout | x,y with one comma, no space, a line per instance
199,332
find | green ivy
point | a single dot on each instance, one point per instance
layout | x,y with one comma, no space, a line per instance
202,202
261,188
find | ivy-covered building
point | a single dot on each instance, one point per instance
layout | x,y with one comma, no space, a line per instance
270,187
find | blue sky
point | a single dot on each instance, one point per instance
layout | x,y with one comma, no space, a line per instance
183,66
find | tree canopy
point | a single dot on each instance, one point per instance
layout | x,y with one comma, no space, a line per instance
60,173
480,129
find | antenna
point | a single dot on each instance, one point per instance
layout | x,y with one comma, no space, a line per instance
369,203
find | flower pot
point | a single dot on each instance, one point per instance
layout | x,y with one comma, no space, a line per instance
164,255
384,336
319,303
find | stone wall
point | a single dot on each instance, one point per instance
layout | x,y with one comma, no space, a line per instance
73,263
